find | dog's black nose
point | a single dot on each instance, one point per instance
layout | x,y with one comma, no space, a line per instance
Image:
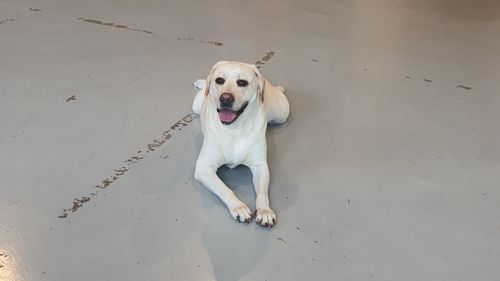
226,99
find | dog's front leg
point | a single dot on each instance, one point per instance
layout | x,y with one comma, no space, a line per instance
265,216
206,174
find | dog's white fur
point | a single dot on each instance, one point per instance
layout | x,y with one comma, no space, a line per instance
243,141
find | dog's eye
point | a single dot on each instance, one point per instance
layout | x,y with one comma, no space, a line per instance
220,81
242,83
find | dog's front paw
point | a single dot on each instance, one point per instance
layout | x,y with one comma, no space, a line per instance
265,217
240,212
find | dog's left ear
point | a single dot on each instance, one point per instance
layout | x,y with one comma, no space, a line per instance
207,84
261,83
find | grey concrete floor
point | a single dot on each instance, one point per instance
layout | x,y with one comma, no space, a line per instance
388,168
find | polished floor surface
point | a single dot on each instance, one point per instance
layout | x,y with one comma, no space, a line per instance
388,169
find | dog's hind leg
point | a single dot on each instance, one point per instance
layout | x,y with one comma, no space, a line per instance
276,104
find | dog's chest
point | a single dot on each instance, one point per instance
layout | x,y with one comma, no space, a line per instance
236,152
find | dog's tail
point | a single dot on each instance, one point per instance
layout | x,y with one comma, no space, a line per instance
200,84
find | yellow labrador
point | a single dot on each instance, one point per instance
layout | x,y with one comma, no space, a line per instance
235,103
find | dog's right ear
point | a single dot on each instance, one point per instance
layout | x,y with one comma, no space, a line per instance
210,77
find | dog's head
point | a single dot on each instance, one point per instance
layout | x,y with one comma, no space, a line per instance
233,86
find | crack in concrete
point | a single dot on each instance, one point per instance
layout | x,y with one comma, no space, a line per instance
114,25
200,41
131,161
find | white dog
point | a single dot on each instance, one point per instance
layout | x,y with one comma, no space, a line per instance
235,103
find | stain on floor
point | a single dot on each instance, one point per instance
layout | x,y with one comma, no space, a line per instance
267,57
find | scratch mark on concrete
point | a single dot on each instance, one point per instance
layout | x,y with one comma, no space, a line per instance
114,25
428,80
282,240
264,59
35,10
464,87
73,97
15,202
215,43
91,155
315,60
129,163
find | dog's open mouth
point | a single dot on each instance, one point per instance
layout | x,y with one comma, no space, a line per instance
228,116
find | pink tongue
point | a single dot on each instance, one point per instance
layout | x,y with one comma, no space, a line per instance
227,115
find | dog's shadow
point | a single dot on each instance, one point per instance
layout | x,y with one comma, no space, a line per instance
235,249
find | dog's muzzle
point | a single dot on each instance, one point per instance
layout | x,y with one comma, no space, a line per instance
228,116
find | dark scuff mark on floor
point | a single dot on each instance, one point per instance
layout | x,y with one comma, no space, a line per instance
464,87
78,202
282,240
35,10
215,43
315,60
114,25
131,161
15,202
407,77
73,97
9,20
428,80
264,59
